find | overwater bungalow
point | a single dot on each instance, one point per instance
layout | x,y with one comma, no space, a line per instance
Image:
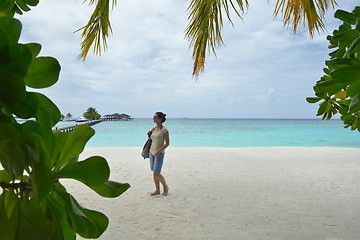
117,117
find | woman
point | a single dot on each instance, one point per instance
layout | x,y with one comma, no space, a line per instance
160,141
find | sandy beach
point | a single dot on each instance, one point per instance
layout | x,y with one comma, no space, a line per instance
233,193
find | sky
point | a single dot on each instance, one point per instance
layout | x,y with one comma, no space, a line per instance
263,70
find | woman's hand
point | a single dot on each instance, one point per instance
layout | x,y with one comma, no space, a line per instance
149,133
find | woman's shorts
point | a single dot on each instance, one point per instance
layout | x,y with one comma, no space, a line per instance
156,162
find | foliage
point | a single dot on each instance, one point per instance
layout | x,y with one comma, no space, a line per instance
34,204
205,23
339,89
91,113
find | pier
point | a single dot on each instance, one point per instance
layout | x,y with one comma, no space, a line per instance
69,127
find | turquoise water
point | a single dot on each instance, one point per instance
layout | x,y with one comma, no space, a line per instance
229,133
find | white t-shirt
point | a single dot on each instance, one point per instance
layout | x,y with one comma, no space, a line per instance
157,138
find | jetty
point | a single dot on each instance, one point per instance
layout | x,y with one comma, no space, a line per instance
69,127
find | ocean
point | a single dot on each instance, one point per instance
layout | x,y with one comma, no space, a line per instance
229,133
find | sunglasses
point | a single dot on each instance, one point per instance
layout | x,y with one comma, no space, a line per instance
155,117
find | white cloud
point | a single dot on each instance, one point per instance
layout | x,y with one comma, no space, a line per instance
263,70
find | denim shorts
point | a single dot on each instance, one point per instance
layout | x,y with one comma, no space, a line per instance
156,162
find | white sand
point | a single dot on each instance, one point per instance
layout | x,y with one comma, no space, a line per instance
243,193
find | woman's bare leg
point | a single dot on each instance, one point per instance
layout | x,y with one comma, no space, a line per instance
157,185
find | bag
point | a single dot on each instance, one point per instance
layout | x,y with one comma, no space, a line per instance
146,149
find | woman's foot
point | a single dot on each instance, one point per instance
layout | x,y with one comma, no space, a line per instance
155,193
166,191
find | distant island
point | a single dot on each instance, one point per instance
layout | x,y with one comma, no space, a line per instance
117,117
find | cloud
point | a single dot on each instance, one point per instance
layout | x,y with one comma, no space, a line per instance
263,70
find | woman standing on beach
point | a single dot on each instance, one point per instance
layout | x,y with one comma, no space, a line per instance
160,141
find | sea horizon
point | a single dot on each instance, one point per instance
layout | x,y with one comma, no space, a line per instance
229,133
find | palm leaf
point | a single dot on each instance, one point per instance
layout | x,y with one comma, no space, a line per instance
204,29
310,12
97,29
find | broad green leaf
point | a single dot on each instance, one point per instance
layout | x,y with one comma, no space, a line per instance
111,189
88,223
32,3
34,48
46,134
313,99
33,224
60,140
11,149
345,16
5,176
8,224
20,57
6,5
75,144
92,171
41,175
353,89
10,203
341,94
43,72
346,74
322,108
355,104
21,4
27,108
12,27
12,88
59,214
42,180
48,113
331,87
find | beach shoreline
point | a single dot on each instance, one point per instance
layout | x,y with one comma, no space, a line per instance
232,193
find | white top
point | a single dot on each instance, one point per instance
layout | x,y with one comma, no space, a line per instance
158,140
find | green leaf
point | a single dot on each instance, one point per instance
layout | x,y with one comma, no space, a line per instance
32,3
41,175
43,72
353,89
345,16
75,144
12,88
34,48
26,108
60,140
355,104
92,171
88,223
322,108
5,177
346,74
48,113
22,5
12,27
11,149
46,134
20,57
6,5
8,222
33,224
59,214
313,99
111,189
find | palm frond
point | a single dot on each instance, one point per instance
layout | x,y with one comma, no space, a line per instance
310,12
204,29
97,30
